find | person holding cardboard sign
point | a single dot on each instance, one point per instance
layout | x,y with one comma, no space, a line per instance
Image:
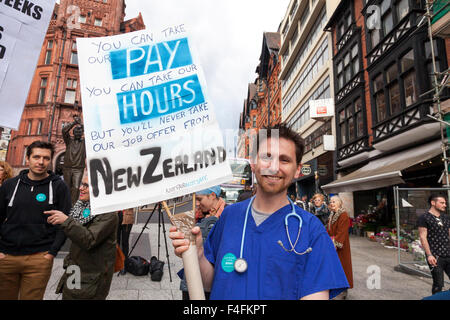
249,253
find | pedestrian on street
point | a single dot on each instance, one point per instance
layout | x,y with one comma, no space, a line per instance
320,208
210,202
303,203
337,227
211,206
28,243
434,229
93,248
5,172
248,254
246,193
126,221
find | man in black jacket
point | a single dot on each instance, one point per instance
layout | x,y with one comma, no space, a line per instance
28,243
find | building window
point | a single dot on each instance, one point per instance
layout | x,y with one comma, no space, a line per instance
39,127
42,90
393,88
348,67
48,53
29,125
313,34
355,60
409,78
301,116
81,19
71,87
429,61
305,79
402,9
380,103
24,157
304,16
351,125
359,118
74,53
98,22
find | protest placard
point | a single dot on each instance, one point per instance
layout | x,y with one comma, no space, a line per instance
23,25
150,129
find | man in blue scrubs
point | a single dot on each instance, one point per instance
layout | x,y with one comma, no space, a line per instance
248,255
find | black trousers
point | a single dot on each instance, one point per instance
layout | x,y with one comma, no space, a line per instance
123,237
437,272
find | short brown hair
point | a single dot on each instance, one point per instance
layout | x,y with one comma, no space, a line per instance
284,131
41,145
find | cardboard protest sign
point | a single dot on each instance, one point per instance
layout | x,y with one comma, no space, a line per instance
23,25
151,132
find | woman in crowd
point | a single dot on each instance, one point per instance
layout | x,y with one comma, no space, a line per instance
319,208
5,171
209,205
210,201
337,227
93,249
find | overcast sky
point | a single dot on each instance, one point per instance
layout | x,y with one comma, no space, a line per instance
228,37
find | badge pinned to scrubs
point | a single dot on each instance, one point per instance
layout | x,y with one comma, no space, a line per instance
185,222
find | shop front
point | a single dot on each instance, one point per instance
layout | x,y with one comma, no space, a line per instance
371,186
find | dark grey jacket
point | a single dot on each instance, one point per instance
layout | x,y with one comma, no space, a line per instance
93,250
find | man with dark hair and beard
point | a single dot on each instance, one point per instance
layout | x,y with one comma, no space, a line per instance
251,253
434,233
28,244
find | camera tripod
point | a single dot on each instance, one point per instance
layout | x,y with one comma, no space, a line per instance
160,222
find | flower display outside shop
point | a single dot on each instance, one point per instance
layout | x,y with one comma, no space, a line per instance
409,241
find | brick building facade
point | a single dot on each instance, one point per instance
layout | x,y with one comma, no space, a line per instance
54,97
264,92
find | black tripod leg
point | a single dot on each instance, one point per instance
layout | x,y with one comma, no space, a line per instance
165,240
142,231
159,227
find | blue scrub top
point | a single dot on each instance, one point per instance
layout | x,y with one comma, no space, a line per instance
272,272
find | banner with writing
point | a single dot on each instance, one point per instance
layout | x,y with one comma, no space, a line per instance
150,129
23,25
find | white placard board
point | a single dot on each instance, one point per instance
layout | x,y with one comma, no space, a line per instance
150,128
23,25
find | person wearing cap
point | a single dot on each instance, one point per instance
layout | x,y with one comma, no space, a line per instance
210,202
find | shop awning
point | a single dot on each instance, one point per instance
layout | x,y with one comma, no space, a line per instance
385,171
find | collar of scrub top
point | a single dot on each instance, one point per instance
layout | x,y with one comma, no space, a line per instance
292,214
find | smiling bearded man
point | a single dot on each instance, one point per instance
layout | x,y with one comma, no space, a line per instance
245,255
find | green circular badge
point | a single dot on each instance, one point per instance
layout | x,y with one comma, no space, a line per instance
228,262
86,213
41,197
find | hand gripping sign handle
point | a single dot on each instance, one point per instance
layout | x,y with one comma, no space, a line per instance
190,261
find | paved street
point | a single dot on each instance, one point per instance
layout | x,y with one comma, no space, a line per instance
394,285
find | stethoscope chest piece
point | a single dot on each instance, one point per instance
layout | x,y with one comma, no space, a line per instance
240,265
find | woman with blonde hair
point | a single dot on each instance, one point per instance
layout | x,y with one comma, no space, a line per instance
337,228
319,208
5,171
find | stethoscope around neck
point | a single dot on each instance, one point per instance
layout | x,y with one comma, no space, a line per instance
241,265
